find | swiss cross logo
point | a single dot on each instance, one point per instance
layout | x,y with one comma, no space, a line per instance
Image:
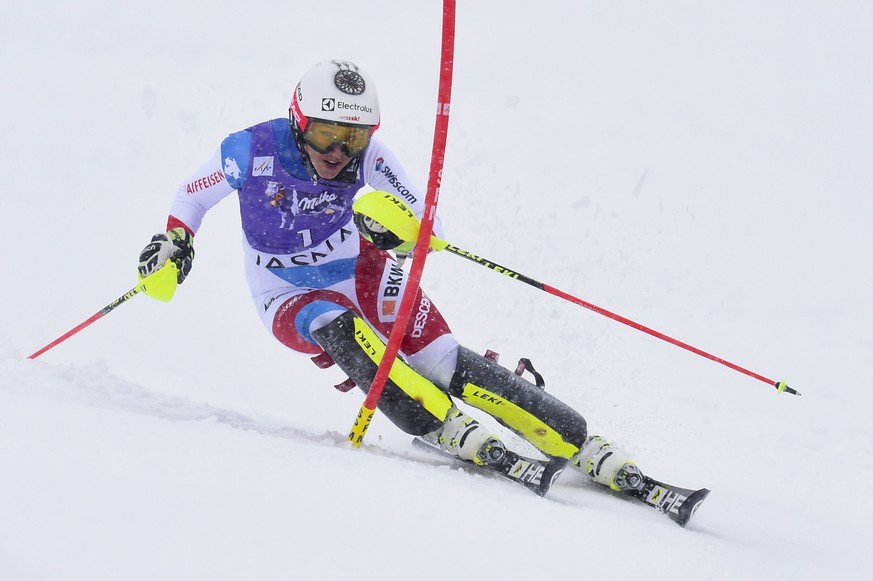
328,104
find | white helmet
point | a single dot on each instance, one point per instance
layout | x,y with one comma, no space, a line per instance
336,91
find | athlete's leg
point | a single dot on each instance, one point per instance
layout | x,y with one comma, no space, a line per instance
350,321
551,426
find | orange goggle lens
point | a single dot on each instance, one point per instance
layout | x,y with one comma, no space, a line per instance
323,136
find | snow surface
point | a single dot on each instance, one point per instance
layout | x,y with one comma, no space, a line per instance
701,167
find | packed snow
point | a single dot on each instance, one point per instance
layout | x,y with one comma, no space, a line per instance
702,168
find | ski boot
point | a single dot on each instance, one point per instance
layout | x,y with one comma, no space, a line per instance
608,465
463,436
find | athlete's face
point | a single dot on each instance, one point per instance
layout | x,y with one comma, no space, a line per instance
328,165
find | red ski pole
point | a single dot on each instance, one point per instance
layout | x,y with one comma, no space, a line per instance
437,244
161,285
391,212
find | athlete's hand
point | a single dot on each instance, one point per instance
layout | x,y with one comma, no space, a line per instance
376,233
176,245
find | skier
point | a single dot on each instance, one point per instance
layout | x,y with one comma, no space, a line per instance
324,283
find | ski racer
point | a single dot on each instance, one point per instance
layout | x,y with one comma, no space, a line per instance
325,285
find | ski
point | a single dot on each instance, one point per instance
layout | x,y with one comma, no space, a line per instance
678,503
535,475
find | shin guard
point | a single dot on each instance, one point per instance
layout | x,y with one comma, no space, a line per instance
411,402
552,426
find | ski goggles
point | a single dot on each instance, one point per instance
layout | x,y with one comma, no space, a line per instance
322,136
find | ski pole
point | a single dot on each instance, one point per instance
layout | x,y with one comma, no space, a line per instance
161,285
393,213
436,243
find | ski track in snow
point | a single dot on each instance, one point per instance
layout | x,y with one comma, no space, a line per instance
95,386
395,478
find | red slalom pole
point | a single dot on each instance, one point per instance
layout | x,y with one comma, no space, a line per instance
441,130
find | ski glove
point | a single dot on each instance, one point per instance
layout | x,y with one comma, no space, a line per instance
177,245
379,235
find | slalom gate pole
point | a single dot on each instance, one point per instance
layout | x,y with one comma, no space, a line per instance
441,129
438,244
161,285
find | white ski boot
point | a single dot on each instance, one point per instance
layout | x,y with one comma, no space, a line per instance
463,436
608,465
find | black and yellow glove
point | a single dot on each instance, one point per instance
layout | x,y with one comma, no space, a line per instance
381,237
176,245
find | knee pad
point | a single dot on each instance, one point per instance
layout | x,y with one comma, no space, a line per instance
287,321
552,426
315,315
411,402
